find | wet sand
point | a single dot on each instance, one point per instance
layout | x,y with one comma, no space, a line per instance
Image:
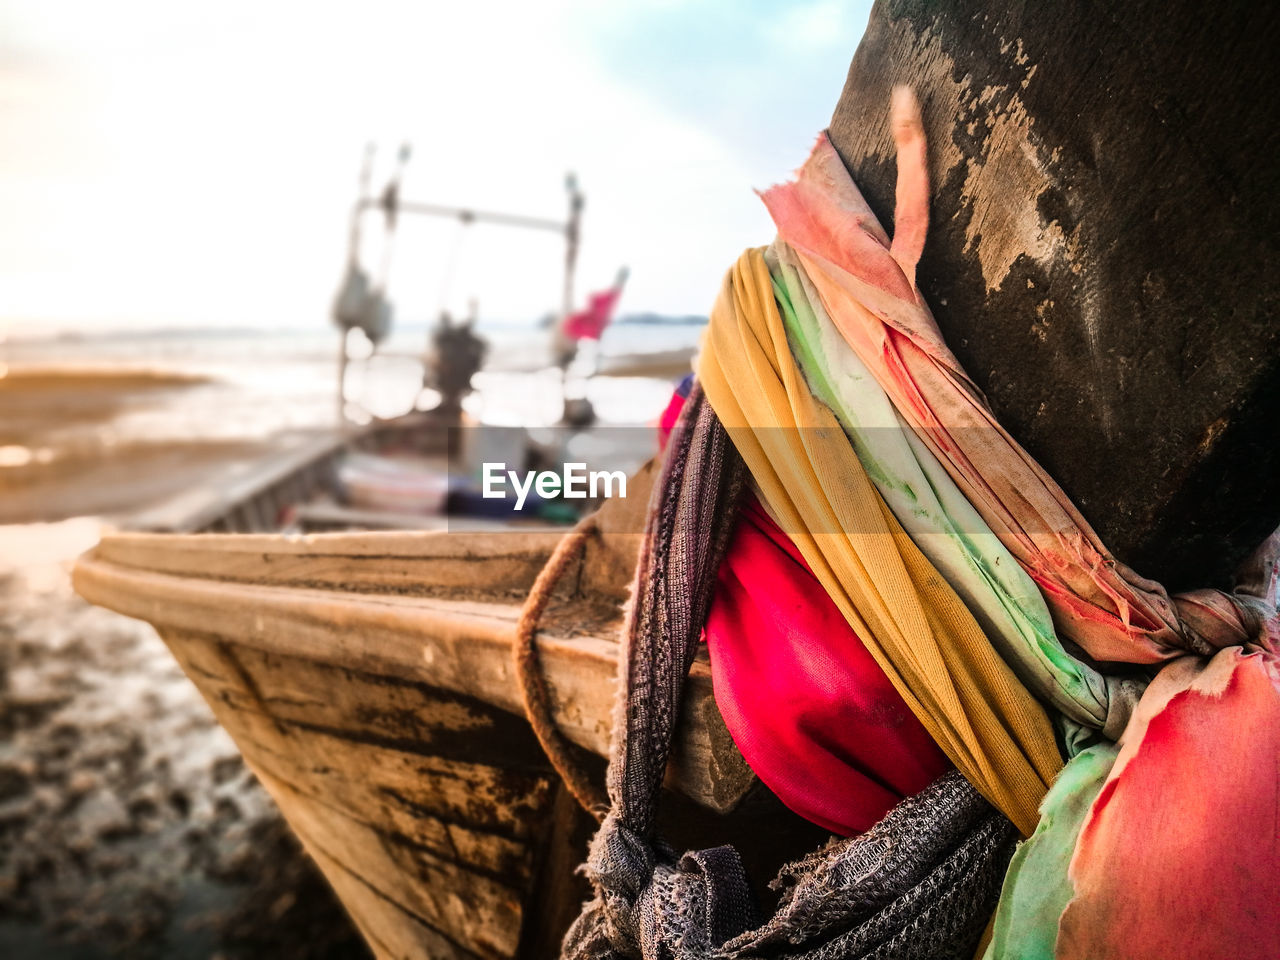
129,826
60,456
35,399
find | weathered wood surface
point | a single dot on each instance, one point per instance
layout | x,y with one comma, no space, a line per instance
428,801
368,680
455,644
1102,255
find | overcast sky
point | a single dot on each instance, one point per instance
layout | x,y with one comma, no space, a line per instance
169,163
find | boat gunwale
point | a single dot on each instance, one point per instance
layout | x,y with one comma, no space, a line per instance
460,645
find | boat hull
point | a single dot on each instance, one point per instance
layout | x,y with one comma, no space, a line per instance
427,810
369,682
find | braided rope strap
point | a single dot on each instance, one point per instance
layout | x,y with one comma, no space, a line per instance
533,682
920,884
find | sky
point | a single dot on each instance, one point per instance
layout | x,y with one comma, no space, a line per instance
193,164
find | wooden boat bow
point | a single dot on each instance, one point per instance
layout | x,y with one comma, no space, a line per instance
368,679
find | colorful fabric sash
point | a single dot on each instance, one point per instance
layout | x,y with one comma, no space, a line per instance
867,285
1164,846
910,619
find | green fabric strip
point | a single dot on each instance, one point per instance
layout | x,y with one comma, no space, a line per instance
1036,888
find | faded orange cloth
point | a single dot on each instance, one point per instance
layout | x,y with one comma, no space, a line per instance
910,619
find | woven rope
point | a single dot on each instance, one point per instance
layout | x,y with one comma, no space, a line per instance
533,680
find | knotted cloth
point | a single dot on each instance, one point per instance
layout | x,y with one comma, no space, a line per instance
1164,844
1172,849
998,592
867,285
920,884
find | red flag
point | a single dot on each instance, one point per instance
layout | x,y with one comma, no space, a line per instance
589,323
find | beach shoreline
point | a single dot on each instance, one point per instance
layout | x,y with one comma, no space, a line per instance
61,457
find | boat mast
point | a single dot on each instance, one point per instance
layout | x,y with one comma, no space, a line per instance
571,228
392,206
353,258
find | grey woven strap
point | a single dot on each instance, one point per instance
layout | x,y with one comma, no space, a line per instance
691,517
920,884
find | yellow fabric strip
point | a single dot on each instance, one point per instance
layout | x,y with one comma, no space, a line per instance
910,619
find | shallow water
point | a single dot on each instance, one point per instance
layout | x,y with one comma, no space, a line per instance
260,384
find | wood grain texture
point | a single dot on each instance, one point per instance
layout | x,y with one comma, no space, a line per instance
458,645
1102,255
433,801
